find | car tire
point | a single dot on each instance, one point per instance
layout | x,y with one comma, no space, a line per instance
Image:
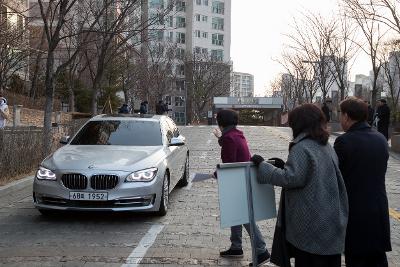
184,181
162,211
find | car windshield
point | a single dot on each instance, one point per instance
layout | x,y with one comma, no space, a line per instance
119,133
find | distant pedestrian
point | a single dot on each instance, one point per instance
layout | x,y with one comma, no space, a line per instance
315,200
234,148
371,113
143,107
326,111
124,109
363,155
4,112
383,118
160,109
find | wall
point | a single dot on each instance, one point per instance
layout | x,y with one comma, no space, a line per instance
34,117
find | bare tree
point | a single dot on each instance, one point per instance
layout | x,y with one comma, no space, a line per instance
13,46
391,68
59,17
206,77
368,23
342,49
311,39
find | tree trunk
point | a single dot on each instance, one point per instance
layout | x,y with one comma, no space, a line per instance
71,98
49,92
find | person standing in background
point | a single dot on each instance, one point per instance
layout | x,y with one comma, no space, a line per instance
4,112
383,118
363,155
326,111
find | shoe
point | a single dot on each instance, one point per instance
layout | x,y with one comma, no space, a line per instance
232,253
262,258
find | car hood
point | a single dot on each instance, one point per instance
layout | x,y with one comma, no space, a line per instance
116,158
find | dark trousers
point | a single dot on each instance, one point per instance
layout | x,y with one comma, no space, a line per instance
373,259
384,129
305,259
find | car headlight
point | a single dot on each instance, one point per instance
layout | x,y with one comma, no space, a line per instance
45,174
142,176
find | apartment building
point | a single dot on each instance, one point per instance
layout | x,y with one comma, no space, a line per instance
201,27
242,85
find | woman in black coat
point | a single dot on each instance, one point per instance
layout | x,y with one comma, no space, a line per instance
363,155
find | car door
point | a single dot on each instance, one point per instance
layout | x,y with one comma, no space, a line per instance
181,150
173,155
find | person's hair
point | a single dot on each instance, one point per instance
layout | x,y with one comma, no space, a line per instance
355,108
382,101
227,117
310,119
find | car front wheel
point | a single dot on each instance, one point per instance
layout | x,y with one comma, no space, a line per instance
164,197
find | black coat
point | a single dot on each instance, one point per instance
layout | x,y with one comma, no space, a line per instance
363,155
383,113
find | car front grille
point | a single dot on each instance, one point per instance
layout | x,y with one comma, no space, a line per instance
74,181
103,182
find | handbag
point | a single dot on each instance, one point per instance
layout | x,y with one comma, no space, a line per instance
280,254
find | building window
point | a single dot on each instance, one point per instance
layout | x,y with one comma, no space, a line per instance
180,37
170,37
205,2
180,53
218,7
198,2
197,33
197,50
179,101
204,18
168,100
218,39
197,17
217,54
181,6
180,22
180,85
160,36
205,34
171,21
158,4
218,24
180,70
204,51
179,117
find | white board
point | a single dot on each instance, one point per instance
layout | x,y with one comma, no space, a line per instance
233,202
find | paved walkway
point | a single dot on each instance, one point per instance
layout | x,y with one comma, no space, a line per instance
188,236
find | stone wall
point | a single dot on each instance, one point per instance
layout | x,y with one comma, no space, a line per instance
34,117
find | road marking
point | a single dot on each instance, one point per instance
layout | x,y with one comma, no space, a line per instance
145,243
394,214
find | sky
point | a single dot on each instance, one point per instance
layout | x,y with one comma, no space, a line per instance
258,28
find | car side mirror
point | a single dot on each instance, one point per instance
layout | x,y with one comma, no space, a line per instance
64,140
177,141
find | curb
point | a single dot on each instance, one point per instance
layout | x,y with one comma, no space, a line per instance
17,184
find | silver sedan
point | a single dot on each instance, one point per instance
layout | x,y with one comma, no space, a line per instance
114,163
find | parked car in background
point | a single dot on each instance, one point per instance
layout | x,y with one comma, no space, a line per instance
114,163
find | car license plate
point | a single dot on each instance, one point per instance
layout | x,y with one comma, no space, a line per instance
88,196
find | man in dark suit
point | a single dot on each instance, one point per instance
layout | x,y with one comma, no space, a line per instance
363,155
383,114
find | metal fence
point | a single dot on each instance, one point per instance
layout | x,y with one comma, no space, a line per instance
21,147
